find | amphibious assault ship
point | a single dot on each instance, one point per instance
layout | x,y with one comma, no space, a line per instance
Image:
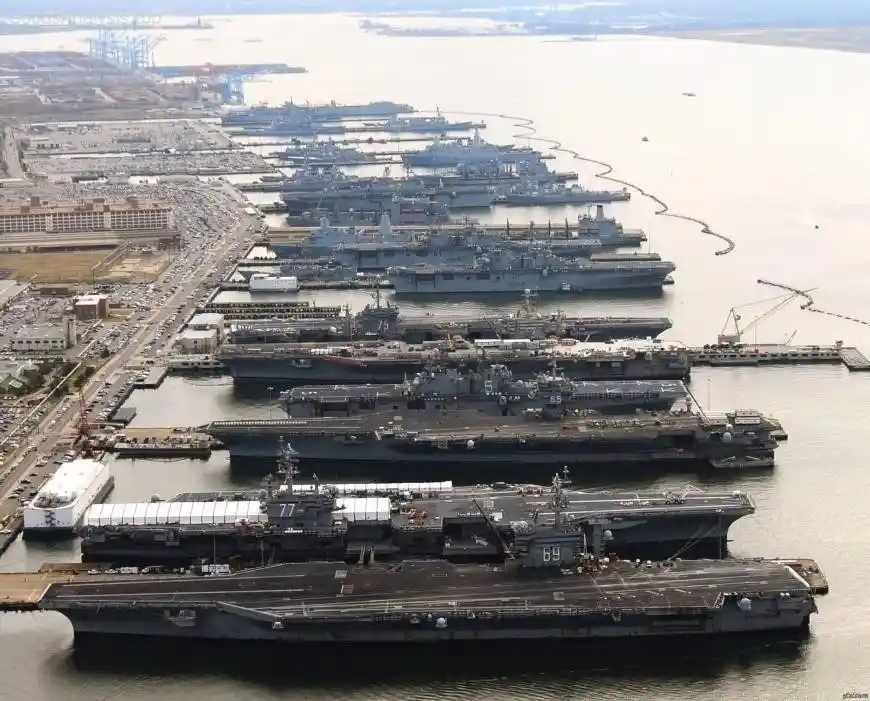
541,270
314,363
377,245
293,523
490,390
402,443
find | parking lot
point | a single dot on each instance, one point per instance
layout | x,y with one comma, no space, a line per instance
144,322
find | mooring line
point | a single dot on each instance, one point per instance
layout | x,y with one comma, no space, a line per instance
531,132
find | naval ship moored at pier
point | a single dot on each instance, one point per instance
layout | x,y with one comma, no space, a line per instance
289,365
405,444
490,390
382,320
291,523
549,579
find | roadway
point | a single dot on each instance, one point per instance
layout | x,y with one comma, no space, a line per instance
58,426
11,162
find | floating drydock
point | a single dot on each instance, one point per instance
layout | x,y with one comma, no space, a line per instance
290,365
396,521
551,591
406,445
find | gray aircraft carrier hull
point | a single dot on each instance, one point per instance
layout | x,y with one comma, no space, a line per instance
223,625
329,602
288,372
396,459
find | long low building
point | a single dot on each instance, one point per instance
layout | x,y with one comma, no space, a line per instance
99,222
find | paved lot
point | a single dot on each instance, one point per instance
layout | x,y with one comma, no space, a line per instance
216,231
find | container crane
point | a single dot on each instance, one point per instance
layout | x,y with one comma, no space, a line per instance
734,318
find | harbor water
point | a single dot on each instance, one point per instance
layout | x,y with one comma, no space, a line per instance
772,153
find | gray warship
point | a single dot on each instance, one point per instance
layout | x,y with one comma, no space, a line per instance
448,154
383,246
553,581
364,193
386,444
491,389
320,154
536,269
329,112
558,196
500,175
382,320
292,522
288,365
437,124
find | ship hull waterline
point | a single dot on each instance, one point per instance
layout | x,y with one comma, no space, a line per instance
222,625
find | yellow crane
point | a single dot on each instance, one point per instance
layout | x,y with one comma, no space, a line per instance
734,317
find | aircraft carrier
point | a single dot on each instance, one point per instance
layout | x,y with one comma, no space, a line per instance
550,589
490,390
408,445
385,322
290,522
289,365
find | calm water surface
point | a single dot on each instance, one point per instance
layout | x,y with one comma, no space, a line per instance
773,152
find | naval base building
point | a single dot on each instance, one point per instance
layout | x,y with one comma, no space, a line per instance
38,225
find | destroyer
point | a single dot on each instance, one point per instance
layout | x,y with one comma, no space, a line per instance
295,364
390,444
395,521
491,390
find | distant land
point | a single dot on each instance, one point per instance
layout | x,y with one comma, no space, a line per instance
855,39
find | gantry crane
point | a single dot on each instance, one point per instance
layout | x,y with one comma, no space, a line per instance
734,317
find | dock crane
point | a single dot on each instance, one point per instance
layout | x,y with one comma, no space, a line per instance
734,317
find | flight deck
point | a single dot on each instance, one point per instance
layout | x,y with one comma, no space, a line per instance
427,601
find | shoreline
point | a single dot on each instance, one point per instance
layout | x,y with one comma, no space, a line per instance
848,39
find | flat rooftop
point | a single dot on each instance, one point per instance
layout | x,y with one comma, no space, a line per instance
96,205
